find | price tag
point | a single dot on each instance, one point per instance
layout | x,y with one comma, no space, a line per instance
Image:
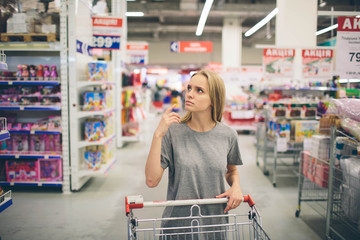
307,144
32,132
281,144
17,156
347,48
10,83
21,108
46,157
12,183
106,42
40,184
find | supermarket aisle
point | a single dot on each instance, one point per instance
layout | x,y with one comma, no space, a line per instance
97,211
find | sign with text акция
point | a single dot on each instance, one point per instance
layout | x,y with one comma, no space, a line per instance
317,63
348,48
107,32
278,63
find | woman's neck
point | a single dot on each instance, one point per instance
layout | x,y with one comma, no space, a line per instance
200,123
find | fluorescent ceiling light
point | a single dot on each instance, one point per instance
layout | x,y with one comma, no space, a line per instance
349,80
203,17
134,14
326,29
261,23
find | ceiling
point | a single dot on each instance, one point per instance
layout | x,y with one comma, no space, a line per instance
178,19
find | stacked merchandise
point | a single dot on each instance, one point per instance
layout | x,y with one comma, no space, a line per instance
42,72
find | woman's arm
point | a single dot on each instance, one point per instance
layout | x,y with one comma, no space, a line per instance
234,193
153,169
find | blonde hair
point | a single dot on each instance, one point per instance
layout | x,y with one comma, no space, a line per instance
217,95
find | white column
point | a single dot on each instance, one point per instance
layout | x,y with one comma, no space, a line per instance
295,28
231,42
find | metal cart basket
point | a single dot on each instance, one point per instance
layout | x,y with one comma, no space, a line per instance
236,227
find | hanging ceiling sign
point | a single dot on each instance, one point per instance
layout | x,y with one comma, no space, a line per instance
137,53
278,63
317,63
191,46
347,48
107,32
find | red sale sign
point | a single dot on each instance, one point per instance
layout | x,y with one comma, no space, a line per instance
191,46
347,48
278,63
317,63
107,26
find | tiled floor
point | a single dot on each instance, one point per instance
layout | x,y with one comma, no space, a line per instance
97,211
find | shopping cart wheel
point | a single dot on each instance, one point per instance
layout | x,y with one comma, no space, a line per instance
274,184
266,173
297,213
257,164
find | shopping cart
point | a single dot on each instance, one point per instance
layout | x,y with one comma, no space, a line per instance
246,226
5,200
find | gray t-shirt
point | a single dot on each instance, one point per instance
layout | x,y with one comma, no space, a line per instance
197,164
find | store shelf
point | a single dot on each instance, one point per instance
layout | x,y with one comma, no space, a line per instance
130,138
36,184
82,84
102,171
102,141
131,87
30,156
303,89
5,201
4,135
29,83
24,108
31,46
35,132
105,113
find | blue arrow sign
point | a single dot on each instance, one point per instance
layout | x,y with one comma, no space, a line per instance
174,46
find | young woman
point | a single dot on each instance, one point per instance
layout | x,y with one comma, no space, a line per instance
199,151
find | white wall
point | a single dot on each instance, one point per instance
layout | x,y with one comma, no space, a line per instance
159,54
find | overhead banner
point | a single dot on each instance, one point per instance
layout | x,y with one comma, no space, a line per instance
348,48
191,46
137,53
278,63
107,32
317,63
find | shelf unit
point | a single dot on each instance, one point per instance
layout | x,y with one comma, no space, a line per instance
81,30
42,53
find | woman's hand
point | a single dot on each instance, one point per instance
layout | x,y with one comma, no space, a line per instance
235,197
167,119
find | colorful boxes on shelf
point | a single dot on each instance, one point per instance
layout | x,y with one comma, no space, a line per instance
49,170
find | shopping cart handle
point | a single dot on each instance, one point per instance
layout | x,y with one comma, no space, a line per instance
133,202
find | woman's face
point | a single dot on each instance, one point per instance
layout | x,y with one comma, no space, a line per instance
197,97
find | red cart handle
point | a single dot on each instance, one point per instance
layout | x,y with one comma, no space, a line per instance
133,202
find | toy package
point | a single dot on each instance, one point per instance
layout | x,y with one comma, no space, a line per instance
93,158
98,71
20,142
94,130
20,171
303,129
53,143
37,143
50,170
93,101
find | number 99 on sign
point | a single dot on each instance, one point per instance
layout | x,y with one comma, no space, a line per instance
106,42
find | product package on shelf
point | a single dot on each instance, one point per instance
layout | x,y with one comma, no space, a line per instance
301,129
24,72
279,128
98,71
350,196
93,101
327,121
315,169
94,129
21,171
50,170
95,156
320,147
351,126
